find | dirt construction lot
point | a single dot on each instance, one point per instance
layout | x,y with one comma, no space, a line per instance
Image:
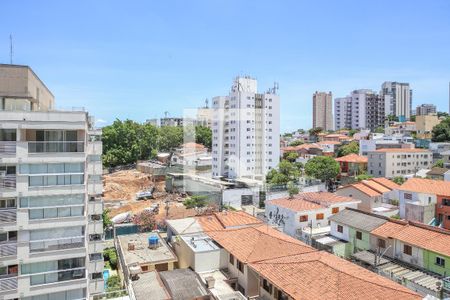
119,195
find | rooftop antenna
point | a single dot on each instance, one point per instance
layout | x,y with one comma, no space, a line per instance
276,87
166,113
206,103
11,49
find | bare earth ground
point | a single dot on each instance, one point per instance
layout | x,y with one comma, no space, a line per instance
120,190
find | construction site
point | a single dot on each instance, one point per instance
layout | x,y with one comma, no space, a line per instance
123,189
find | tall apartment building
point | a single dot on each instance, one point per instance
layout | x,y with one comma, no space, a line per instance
398,99
323,110
51,229
246,131
425,109
398,161
362,109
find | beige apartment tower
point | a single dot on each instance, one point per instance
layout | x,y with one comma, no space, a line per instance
322,110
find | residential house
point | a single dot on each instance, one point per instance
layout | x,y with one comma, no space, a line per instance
329,148
426,201
304,212
352,164
376,195
354,227
425,124
390,163
437,173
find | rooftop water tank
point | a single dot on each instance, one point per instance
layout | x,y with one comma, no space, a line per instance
153,242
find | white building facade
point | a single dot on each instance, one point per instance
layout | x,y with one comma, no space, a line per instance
398,99
246,131
51,229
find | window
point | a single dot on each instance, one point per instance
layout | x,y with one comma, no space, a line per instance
231,260
304,218
381,243
7,203
95,276
359,235
407,196
335,210
440,261
267,286
340,229
144,268
319,216
407,249
240,266
446,202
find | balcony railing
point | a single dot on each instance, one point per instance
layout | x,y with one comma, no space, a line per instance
8,216
9,249
54,147
8,182
57,244
7,147
57,276
8,284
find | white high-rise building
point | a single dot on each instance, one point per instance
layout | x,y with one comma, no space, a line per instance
51,229
398,99
246,131
362,109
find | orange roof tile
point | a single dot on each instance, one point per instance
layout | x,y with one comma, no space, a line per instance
352,158
432,239
430,186
328,277
256,243
310,201
193,145
405,150
376,186
366,189
329,143
386,182
227,219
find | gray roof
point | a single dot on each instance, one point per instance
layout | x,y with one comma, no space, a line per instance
149,286
357,220
183,284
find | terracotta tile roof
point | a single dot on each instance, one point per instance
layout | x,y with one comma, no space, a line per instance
305,146
432,239
386,182
366,190
328,277
387,230
402,150
437,171
329,143
226,220
430,186
376,186
311,201
193,145
352,158
296,204
256,243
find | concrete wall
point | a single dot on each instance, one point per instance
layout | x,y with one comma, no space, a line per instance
367,202
429,261
415,259
345,235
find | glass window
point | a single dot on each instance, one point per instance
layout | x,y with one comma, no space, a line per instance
359,235
3,236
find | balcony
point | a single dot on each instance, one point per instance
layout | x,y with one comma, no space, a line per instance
57,276
55,147
9,249
7,148
8,284
57,244
8,216
7,182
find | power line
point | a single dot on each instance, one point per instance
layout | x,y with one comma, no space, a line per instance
10,49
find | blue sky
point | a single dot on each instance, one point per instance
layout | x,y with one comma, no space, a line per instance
138,59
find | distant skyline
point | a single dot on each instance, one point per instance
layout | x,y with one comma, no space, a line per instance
139,59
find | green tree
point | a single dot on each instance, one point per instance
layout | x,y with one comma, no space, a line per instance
324,168
362,177
441,132
288,169
412,118
352,132
291,156
292,189
379,129
352,147
398,180
442,114
315,131
295,143
439,163
170,137
198,203
279,179
106,219
392,118
203,135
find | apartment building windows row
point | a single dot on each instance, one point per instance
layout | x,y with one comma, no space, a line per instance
77,294
55,271
57,239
